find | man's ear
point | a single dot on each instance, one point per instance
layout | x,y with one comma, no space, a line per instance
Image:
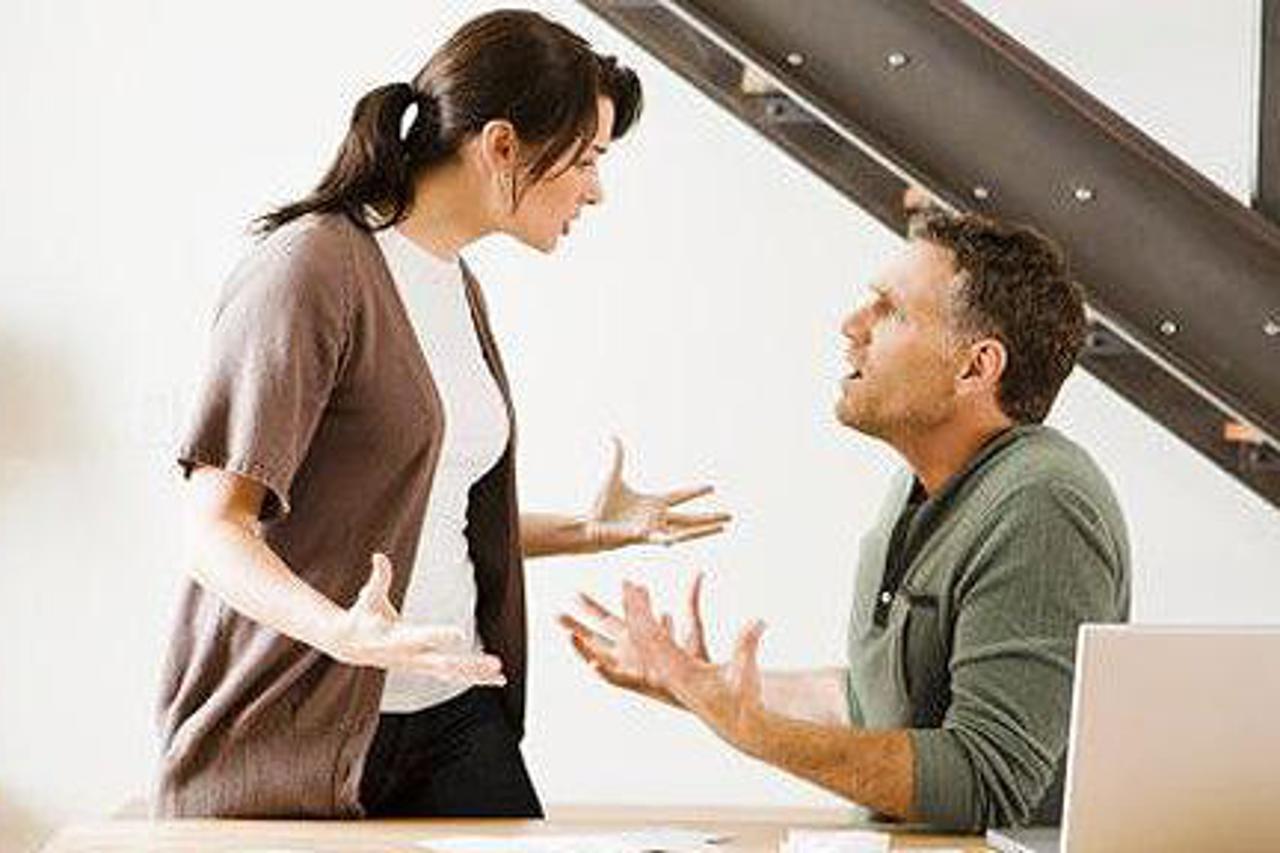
984,363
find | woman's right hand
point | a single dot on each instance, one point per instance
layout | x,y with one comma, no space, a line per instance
371,633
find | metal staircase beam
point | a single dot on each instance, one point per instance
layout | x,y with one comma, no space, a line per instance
1267,189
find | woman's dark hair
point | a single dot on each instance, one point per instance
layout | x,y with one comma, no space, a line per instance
511,65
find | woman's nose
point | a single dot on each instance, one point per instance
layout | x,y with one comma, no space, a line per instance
594,192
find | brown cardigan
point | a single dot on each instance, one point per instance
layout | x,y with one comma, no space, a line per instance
317,388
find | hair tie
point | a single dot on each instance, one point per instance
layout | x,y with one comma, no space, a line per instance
411,111
421,112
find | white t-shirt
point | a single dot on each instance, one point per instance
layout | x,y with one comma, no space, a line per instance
442,588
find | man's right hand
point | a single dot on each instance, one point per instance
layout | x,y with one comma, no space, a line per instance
371,633
608,648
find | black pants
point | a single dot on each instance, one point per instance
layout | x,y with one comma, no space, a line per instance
458,759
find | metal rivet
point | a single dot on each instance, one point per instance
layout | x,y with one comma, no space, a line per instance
1271,328
795,60
897,60
1168,328
981,193
1083,194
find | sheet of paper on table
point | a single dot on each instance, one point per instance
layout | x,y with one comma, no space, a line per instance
834,841
634,841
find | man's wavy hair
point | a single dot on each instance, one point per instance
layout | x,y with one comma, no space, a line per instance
1012,285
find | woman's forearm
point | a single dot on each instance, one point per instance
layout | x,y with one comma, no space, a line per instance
546,534
229,559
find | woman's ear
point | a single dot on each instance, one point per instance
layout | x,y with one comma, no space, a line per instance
500,147
984,364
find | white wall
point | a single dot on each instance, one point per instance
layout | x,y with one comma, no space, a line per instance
695,313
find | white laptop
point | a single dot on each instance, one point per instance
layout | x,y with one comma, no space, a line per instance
1174,744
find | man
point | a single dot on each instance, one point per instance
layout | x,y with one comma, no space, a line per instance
1000,539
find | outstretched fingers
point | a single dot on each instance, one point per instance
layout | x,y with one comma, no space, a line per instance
376,591
674,537
582,631
431,638
697,519
695,642
658,651
609,621
638,609
675,497
477,669
745,670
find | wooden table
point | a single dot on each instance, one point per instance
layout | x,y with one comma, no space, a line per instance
752,831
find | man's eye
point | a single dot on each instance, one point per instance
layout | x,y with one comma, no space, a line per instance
891,313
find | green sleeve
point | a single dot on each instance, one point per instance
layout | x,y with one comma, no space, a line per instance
851,697
1047,563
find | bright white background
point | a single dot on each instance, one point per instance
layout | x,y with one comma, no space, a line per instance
695,313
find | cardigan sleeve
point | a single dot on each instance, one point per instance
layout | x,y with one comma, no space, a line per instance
278,344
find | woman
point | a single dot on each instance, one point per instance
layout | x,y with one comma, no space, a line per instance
356,410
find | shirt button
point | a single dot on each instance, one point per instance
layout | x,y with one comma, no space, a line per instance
886,597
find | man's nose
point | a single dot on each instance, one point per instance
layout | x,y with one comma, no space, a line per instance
854,326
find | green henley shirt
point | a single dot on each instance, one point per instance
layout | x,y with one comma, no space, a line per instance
972,646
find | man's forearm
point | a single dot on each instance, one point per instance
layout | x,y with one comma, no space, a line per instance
812,695
874,768
815,695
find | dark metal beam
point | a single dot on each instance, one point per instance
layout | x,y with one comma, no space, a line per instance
1181,410
1267,192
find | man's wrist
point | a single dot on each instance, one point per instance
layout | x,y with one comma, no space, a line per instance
751,731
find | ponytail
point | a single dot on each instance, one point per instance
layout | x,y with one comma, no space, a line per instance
376,166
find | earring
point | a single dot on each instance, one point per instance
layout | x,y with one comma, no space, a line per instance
507,185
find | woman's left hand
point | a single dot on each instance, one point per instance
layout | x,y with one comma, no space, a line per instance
622,516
